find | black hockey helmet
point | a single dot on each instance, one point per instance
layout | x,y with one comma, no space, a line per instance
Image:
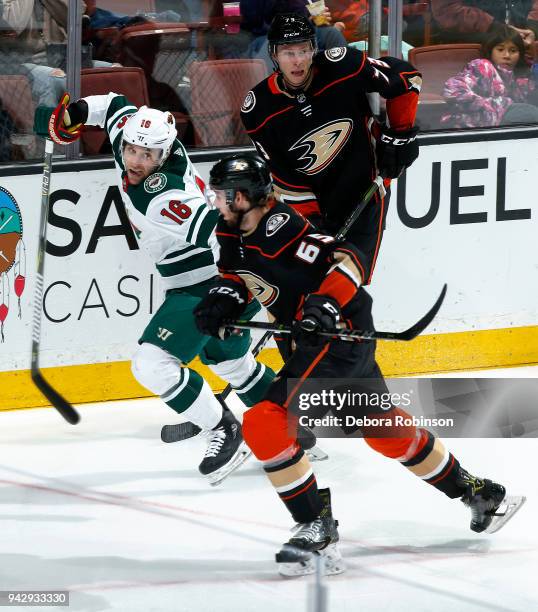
245,172
290,28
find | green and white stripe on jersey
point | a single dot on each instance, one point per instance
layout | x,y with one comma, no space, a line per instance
177,267
202,225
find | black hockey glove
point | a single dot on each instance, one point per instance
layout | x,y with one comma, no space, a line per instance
225,301
396,151
320,313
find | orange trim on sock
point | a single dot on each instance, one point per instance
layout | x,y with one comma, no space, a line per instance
299,492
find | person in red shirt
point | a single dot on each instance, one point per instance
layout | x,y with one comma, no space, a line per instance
473,20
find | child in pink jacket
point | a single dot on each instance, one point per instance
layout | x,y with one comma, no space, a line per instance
487,88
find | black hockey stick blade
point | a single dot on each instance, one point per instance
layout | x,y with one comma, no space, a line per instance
179,432
60,403
187,430
184,431
352,334
416,329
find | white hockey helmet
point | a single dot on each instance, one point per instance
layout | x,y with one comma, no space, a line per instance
151,128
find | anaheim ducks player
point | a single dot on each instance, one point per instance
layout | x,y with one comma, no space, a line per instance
311,277
164,198
312,123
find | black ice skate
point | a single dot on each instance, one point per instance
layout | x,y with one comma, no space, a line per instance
307,441
320,537
226,450
490,507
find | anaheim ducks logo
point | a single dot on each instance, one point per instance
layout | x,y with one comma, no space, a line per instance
322,145
263,291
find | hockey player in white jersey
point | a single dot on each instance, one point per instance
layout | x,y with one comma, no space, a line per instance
165,199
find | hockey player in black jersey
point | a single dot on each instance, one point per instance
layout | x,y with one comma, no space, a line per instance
306,278
312,123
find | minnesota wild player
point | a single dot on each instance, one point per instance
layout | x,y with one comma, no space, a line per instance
165,199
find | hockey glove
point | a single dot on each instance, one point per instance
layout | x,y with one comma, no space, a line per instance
396,151
224,302
320,313
61,125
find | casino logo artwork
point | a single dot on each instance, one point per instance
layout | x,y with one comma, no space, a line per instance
12,256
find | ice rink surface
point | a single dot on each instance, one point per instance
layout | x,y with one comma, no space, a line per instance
124,522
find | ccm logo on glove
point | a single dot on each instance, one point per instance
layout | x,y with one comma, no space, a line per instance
228,291
396,141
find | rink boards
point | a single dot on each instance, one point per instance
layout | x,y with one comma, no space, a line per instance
465,214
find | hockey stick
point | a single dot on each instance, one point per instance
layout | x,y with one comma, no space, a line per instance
356,213
186,430
59,402
352,334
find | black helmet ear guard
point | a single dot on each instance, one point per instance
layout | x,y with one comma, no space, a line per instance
245,172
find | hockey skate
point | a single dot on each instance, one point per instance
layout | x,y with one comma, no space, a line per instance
490,507
298,556
226,450
307,441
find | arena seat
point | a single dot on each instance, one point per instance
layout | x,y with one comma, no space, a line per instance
130,82
437,63
218,88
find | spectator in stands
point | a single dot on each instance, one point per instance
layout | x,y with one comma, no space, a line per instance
493,90
354,15
102,18
31,27
474,20
256,17
26,27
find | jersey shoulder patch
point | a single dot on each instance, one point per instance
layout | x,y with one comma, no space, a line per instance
249,102
158,186
275,222
339,62
171,175
155,182
336,54
261,104
280,227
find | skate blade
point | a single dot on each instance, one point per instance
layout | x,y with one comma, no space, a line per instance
316,454
509,506
332,563
242,453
